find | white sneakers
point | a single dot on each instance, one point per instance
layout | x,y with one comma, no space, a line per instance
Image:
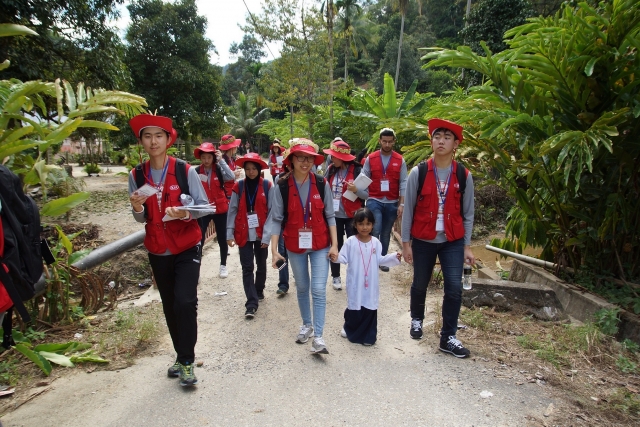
318,346
223,271
337,283
306,332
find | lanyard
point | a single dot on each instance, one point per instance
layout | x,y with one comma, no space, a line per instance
384,168
366,266
255,193
442,194
160,185
306,209
338,181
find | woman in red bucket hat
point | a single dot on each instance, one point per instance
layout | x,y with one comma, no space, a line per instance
248,212
172,235
340,176
309,233
229,146
275,160
214,172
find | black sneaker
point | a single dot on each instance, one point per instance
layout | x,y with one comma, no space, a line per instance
187,377
416,329
260,296
250,313
282,291
453,346
384,268
174,370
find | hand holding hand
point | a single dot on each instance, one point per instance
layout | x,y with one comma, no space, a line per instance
231,242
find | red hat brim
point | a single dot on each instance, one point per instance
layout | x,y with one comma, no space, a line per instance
342,156
295,150
142,121
229,146
435,124
248,158
205,147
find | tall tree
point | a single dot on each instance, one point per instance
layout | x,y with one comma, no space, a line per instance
168,56
352,26
75,42
244,123
402,6
330,12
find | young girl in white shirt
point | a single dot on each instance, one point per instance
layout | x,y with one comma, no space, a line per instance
363,255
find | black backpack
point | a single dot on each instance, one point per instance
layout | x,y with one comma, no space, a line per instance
181,177
284,191
461,174
22,243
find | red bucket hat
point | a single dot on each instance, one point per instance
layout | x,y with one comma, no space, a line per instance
227,142
303,146
435,124
205,147
142,121
340,150
252,157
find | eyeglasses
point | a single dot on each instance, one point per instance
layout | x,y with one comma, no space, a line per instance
303,159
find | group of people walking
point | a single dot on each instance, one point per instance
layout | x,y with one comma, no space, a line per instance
303,217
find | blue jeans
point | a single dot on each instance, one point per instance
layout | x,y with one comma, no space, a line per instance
283,275
385,215
317,284
451,256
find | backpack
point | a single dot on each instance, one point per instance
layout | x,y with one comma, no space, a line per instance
181,177
22,255
265,188
284,191
461,174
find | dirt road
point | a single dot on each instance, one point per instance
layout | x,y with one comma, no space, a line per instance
254,373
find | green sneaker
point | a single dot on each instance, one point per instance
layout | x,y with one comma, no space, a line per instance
187,377
174,370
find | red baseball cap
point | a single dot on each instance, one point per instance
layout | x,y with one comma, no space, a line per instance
435,124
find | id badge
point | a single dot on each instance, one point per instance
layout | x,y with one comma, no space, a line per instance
252,219
305,238
384,185
203,178
336,205
440,223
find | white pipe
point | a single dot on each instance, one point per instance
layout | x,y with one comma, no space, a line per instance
521,257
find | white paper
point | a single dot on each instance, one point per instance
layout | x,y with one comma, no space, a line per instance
384,185
252,219
279,160
146,190
167,218
361,182
305,239
336,205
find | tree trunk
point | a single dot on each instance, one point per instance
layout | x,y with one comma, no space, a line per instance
330,31
399,53
346,59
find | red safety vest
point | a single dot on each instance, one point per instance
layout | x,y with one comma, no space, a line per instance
241,230
176,235
228,185
350,207
425,213
295,221
215,193
392,174
275,170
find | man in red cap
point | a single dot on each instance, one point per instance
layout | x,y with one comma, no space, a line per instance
437,222
172,234
388,171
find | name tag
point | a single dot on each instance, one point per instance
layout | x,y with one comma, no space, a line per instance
252,219
336,205
203,178
305,238
384,185
440,223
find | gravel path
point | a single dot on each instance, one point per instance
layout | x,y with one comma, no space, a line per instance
254,373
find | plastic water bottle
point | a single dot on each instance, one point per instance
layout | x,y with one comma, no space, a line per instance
186,200
466,277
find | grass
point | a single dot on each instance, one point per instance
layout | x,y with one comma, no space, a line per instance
599,376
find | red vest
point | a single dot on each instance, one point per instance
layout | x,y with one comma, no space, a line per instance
176,235
350,207
425,213
392,174
275,170
295,218
215,193
228,185
241,230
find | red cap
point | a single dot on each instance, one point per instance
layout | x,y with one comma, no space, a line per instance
141,121
251,157
435,124
205,147
227,142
